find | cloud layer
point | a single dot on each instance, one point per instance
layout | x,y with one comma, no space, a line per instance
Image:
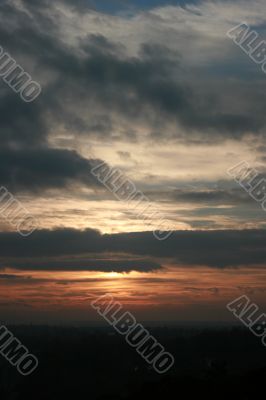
67,250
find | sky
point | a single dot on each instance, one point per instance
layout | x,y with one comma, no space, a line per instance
157,90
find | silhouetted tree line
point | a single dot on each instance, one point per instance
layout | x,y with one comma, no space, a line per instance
97,364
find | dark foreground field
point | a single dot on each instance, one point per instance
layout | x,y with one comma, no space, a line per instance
96,363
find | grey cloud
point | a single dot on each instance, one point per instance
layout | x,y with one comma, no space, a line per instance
90,88
217,249
41,168
225,196
148,87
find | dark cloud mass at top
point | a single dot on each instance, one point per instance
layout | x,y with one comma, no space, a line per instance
98,74
89,87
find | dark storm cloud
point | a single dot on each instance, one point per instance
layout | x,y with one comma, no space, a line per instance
113,82
150,86
26,161
20,122
87,86
102,77
42,168
212,248
145,87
